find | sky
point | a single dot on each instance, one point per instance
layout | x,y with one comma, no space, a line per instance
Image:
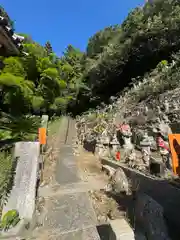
64,22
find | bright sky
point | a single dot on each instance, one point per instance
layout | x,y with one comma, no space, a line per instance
64,22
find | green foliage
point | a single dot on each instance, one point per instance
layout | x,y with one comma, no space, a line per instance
164,77
22,127
10,219
37,103
6,174
48,48
100,40
41,82
117,55
14,66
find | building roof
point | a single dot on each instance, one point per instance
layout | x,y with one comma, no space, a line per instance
9,41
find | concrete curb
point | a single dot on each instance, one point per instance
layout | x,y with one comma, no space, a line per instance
23,194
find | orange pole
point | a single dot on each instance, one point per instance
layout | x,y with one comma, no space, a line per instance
174,142
42,136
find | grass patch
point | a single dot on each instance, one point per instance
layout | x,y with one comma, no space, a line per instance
7,170
49,156
53,126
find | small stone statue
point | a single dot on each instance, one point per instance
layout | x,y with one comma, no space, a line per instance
159,110
127,142
146,109
114,144
175,105
164,127
164,150
165,119
133,161
104,137
146,149
126,136
166,105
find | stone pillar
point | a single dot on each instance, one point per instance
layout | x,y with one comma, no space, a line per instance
146,151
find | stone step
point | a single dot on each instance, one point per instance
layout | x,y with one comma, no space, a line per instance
90,185
81,234
68,213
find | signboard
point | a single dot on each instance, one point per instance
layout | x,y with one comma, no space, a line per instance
42,136
174,142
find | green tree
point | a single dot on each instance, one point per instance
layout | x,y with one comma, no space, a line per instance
48,48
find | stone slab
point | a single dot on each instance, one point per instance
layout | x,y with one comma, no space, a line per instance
66,170
70,212
22,196
83,234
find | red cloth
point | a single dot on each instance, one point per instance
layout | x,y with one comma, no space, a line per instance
118,156
162,144
123,127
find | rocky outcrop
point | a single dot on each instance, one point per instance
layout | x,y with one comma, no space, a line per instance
119,182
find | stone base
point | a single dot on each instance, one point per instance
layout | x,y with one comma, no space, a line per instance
121,230
157,168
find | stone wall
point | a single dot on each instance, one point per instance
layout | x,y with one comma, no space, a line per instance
161,191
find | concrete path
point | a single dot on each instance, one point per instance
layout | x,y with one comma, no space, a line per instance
69,215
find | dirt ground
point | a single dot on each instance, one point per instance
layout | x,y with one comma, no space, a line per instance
105,206
50,156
